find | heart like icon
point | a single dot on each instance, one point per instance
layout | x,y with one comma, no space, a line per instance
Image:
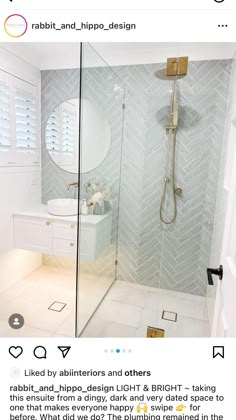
15,351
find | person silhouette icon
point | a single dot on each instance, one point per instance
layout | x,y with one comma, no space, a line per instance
16,321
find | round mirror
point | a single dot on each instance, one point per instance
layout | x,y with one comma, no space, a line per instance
62,136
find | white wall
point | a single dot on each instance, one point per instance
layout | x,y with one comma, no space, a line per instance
16,265
120,53
17,66
65,55
223,189
19,187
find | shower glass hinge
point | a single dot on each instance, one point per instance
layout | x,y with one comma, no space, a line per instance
123,106
116,262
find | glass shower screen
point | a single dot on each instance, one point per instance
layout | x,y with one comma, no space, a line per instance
101,131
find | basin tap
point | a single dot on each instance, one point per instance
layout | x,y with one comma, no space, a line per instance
73,184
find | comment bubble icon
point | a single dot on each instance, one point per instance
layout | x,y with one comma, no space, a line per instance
40,352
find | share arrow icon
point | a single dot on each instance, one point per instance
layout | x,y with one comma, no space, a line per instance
64,350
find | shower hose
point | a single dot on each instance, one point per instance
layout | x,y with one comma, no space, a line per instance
171,135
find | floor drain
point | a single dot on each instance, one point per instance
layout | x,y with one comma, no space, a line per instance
57,306
169,316
153,332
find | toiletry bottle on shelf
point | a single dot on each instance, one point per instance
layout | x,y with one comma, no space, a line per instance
99,207
84,207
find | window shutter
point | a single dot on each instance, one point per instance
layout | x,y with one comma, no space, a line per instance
5,138
68,132
25,113
19,118
53,133
60,134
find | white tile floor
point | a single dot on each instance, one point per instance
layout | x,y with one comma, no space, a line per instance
126,310
33,295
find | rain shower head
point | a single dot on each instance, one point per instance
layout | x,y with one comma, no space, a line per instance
161,74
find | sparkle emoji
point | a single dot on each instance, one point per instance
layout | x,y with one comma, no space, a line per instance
180,407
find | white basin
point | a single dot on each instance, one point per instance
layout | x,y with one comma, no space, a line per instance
63,207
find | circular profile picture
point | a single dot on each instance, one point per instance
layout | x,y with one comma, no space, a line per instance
15,25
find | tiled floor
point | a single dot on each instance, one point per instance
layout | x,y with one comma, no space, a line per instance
126,310
34,295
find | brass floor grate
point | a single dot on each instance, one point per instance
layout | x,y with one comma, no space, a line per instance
153,332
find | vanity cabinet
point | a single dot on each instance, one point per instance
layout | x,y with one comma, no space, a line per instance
64,238
94,238
57,235
33,234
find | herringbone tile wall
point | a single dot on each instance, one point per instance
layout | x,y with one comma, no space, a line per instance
102,86
173,257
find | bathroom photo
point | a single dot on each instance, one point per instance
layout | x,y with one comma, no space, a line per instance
118,191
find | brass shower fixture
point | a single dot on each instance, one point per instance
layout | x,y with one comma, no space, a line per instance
73,184
177,66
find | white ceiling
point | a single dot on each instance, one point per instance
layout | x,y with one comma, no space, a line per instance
46,55
57,55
